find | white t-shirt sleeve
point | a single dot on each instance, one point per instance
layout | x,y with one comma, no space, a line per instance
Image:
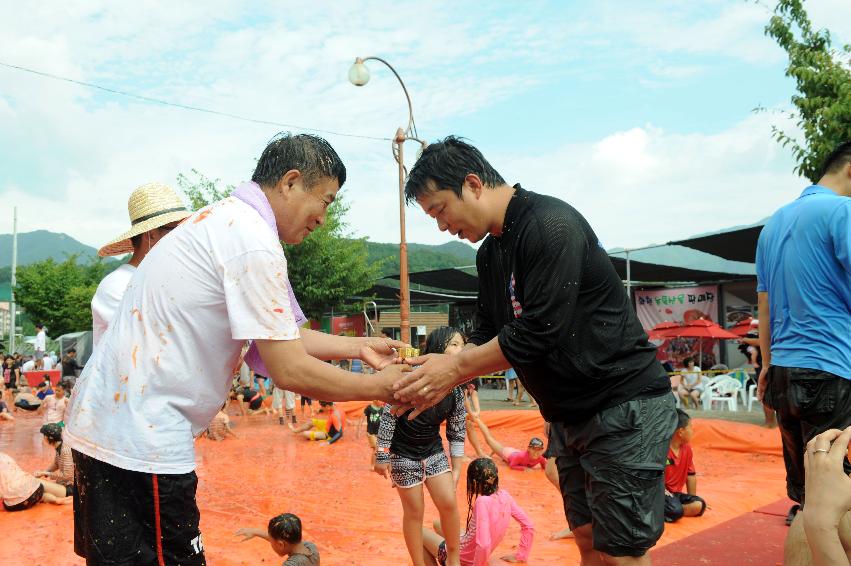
257,297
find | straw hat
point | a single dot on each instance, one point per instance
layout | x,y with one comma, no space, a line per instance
150,206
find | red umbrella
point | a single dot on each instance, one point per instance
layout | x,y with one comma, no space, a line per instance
702,328
661,330
742,327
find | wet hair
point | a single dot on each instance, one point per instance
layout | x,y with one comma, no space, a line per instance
536,442
311,155
52,431
444,165
482,479
285,527
439,338
838,158
326,403
682,419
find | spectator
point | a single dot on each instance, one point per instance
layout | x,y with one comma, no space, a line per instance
691,385
70,367
803,263
154,210
40,343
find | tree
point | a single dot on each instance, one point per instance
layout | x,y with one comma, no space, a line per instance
823,79
327,268
59,295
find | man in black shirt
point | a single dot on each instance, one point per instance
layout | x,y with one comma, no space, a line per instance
552,306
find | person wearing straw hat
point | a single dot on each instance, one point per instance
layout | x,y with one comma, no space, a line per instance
165,365
154,210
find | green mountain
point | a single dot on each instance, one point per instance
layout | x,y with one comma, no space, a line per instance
40,245
422,257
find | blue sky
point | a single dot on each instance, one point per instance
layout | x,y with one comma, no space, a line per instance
639,114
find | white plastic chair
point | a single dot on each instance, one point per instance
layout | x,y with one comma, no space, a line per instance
752,396
723,389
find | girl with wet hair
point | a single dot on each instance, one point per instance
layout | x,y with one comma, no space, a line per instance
284,536
411,453
488,511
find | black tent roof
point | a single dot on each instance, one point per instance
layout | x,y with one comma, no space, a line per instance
656,273
735,245
387,294
452,278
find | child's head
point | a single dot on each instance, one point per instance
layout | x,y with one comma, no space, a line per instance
688,362
444,340
535,448
482,479
52,433
684,431
285,532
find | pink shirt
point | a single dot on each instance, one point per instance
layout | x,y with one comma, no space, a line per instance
488,526
15,484
520,460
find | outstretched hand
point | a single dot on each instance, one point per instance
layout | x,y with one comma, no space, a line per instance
427,384
246,534
380,352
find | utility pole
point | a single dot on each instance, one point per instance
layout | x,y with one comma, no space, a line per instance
12,327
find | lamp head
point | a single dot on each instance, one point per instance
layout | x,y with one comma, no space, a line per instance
358,73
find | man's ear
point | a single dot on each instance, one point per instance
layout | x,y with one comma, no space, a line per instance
475,184
289,180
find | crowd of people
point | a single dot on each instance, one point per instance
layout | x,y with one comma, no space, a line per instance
205,301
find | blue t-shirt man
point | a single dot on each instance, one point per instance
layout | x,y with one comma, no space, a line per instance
803,262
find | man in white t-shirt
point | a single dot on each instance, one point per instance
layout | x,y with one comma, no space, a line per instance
40,344
154,210
165,365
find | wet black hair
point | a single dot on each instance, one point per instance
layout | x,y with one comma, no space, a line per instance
439,338
482,479
285,527
326,403
311,155
52,431
838,158
444,165
682,419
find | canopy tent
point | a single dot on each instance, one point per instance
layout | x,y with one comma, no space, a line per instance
383,294
736,245
635,271
453,279
80,341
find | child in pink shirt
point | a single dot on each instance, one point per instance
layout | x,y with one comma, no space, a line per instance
488,512
516,459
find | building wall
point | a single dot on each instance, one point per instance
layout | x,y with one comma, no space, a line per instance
431,320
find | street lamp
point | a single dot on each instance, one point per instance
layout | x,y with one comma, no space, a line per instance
359,76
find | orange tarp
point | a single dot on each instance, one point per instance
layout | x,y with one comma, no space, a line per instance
352,514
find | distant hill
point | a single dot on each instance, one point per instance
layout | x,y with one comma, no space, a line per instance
40,245
422,257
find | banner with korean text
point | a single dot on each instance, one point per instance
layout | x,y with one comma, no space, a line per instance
682,306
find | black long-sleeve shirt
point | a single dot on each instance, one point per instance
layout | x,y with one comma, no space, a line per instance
420,438
550,293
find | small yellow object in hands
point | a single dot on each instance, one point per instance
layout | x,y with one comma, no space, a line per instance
409,352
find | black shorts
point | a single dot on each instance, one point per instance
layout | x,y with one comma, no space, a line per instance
306,401
126,518
29,502
611,474
256,403
674,505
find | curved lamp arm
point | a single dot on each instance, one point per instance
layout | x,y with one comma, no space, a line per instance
359,76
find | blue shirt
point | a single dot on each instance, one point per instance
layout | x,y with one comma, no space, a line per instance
802,262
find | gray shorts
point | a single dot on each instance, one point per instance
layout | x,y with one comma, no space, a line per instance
612,470
406,472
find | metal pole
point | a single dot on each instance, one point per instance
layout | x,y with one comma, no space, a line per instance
404,294
628,278
12,309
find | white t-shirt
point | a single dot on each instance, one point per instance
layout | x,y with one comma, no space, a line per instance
690,377
48,363
40,341
54,409
108,295
164,366
28,366
16,485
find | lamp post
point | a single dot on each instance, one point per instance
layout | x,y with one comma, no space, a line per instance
359,76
